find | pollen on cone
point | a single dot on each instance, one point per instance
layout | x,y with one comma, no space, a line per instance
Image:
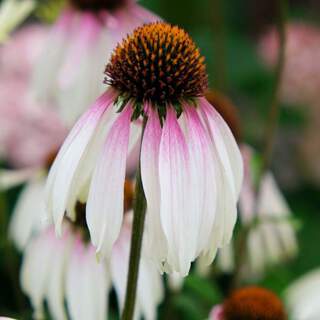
158,62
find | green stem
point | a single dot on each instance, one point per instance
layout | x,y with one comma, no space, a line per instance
136,245
219,32
273,117
270,134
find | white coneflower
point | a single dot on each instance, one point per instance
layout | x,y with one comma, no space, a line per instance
191,166
74,56
72,281
303,297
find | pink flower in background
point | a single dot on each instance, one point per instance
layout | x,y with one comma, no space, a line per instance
190,164
21,51
69,73
300,85
301,79
28,132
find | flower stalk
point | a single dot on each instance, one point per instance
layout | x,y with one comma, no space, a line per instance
139,214
270,133
273,117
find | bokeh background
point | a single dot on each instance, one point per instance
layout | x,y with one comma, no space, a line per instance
228,34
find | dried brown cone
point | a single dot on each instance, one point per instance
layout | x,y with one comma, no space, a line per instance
227,110
159,63
253,303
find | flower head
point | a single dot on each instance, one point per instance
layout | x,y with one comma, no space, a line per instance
253,303
191,166
158,63
70,75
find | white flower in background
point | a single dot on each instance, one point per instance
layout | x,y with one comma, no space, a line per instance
65,269
69,73
303,297
12,13
271,238
190,164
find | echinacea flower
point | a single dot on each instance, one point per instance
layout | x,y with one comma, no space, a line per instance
303,297
250,303
28,133
72,281
191,166
68,71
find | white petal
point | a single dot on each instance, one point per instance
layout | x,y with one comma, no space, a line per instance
35,270
156,241
29,214
226,145
12,178
105,200
65,169
176,217
87,285
56,282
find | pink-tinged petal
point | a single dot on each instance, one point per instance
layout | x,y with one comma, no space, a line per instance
174,173
247,196
29,214
81,43
226,212
56,281
203,176
45,74
35,270
105,200
87,285
65,170
216,313
226,146
156,241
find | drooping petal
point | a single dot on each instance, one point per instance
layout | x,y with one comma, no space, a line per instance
156,241
176,217
226,212
13,178
226,146
80,79
35,270
105,200
87,285
72,158
29,214
45,74
203,169
56,280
